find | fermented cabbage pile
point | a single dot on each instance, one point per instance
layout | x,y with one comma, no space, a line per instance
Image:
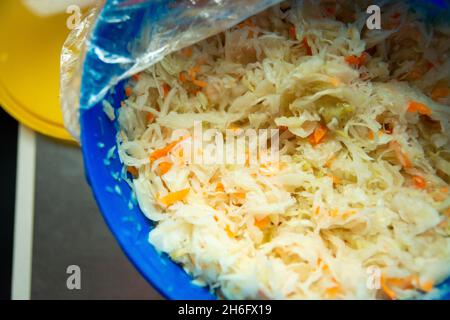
356,204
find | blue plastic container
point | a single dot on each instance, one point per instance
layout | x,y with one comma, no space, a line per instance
124,218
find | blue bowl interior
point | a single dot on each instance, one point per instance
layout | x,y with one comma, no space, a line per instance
123,216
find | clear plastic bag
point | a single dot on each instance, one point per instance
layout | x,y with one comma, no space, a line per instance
122,37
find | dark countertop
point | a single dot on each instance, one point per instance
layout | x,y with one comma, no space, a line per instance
69,230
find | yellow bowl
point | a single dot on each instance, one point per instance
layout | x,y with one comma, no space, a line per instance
30,48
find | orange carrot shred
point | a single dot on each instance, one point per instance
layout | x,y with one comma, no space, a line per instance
230,233
330,161
200,83
164,167
292,33
414,106
262,223
307,46
419,182
440,92
356,61
334,212
182,77
439,197
136,76
387,290
166,89
173,197
150,117
333,291
247,22
240,195
362,58
349,213
187,52
128,91
220,187
163,151
352,60
318,135
403,283
336,179
427,286
192,72
401,156
409,282
371,135
195,91
133,171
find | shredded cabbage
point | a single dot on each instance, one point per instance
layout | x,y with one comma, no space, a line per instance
368,189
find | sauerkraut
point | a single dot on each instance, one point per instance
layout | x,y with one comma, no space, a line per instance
357,204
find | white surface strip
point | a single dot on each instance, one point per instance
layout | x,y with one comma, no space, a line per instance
24,212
